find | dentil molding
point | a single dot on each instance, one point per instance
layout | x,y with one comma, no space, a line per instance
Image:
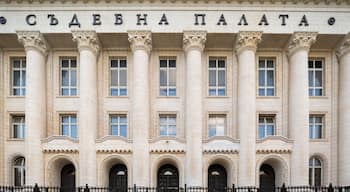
194,39
87,40
140,40
33,40
301,40
247,40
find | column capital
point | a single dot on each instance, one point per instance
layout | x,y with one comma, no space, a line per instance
87,40
343,47
247,40
301,40
140,40
194,39
33,40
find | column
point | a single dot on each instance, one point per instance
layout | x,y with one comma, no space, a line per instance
298,105
35,103
343,54
88,46
193,45
246,45
141,45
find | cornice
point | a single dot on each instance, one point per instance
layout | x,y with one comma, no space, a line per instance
247,40
33,40
140,40
194,40
87,40
301,40
343,47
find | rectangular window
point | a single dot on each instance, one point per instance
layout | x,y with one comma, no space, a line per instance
69,125
216,125
167,125
266,126
167,77
18,126
118,124
68,77
315,126
266,78
118,77
18,76
316,77
217,76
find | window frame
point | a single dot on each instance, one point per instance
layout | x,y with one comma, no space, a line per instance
167,87
21,124
266,125
168,126
265,87
313,88
118,69
313,168
69,87
21,69
216,69
314,124
69,124
118,124
216,115
22,169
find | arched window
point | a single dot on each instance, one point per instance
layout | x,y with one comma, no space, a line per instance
19,174
315,171
217,178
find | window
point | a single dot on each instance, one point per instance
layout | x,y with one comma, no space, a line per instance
315,171
118,125
266,126
19,173
118,77
167,125
217,77
18,126
266,77
68,77
167,77
18,76
69,125
216,125
315,126
315,77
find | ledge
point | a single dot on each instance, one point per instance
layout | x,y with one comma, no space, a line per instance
226,138
274,137
113,137
166,139
59,137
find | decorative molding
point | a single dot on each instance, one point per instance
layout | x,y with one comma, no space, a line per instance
114,151
221,151
343,47
167,139
194,39
140,40
113,137
247,40
33,40
274,137
301,40
87,40
218,138
267,151
167,151
60,151
59,137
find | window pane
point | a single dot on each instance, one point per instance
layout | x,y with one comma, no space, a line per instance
261,92
318,64
318,174
211,131
114,130
311,81
123,63
261,78
212,78
172,77
318,78
270,130
16,78
122,78
221,64
17,177
310,176
73,63
270,64
162,77
65,130
23,78
318,131
261,131
114,78
163,63
212,63
65,78
270,78
172,63
172,130
73,78
261,63
163,92
221,78
172,92
74,131
212,92
123,92
65,63
65,91
114,92
162,130
114,63
270,92
221,92
123,130
114,119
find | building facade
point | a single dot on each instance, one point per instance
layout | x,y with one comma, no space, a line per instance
168,93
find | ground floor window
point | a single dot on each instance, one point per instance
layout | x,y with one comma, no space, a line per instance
217,178
19,173
118,178
168,178
315,171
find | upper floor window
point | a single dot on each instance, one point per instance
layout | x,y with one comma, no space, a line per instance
217,76
68,77
18,126
266,126
266,77
315,126
316,77
69,125
118,77
315,172
216,125
118,124
167,77
19,174
18,76
167,125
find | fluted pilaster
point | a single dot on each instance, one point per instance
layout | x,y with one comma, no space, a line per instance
35,102
246,45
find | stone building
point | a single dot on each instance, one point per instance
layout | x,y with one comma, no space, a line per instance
170,92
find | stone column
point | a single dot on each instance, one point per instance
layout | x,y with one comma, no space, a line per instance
343,54
246,45
298,105
193,45
88,46
141,45
35,103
